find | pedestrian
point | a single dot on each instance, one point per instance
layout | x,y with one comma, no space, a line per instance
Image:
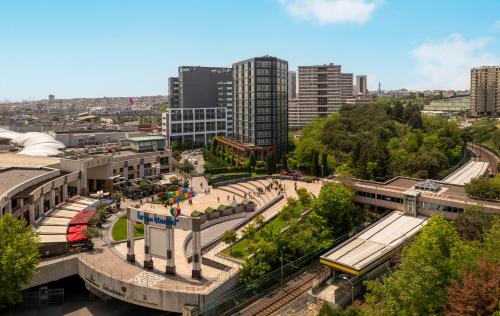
218,199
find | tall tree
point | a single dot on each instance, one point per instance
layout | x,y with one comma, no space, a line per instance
214,146
271,163
252,160
324,164
229,238
315,167
19,257
419,286
334,204
473,223
478,293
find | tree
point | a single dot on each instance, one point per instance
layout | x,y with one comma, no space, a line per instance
334,204
324,164
473,223
270,163
117,196
305,197
315,167
484,188
252,161
419,286
19,256
229,238
214,146
249,232
252,270
284,162
259,220
478,293
92,232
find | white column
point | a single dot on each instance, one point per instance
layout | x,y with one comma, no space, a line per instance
32,213
65,192
196,272
130,237
41,206
141,170
125,171
170,269
148,262
78,187
52,198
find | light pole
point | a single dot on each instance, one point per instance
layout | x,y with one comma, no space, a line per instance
345,277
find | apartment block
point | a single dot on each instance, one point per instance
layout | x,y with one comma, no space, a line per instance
485,91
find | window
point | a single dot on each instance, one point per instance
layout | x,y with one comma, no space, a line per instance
210,114
177,128
322,77
221,125
188,127
176,115
322,101
199,126
322,86
210,126
188,115
221,114
199,114
322,92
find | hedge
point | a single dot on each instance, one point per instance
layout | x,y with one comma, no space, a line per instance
226,170
227,177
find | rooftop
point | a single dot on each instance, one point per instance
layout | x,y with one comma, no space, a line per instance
146,138
356,255
15,160
12,177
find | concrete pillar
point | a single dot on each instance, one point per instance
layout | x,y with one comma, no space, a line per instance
130,238
41,206
196,272
148,262
65,192
8,206
125,171
141,169
170,269
53,198
78,187
32,213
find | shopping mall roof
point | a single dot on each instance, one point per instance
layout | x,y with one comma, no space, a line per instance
146,138
12,177
374,244
14,160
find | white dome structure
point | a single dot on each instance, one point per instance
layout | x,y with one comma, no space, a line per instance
34,143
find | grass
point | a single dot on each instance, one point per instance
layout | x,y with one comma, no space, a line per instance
240,249
119,231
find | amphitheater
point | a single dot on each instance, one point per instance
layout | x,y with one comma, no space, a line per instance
106,269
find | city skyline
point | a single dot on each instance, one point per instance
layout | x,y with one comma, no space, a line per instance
126,48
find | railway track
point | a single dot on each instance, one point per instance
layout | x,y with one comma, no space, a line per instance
287,297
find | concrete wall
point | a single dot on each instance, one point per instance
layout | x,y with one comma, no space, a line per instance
54,270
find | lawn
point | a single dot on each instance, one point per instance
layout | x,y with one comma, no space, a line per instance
240,249
120,229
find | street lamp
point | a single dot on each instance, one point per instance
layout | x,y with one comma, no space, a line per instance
346,278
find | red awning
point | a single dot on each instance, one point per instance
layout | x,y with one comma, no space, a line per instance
82,218
77,228
74,237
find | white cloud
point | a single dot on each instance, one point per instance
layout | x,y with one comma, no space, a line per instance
446,64
331,11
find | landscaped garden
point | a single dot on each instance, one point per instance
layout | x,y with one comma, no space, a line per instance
119,231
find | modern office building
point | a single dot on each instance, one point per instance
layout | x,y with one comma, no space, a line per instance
452,105
205,89
292,85
261,103
173,92
485,91
361,84
323,89
294,114
194,125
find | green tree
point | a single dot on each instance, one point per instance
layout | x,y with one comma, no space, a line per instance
305,197
252,270
473,223
324,164
270,163
315,167
229,238
118,197
214,146
419,286
249,232
259,220
19,256
334,204
252,161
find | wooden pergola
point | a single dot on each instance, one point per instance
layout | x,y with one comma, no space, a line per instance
243,150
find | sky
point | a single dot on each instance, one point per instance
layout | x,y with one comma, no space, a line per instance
95,48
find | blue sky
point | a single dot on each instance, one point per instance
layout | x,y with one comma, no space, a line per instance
129,48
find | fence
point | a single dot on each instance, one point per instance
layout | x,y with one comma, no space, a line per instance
44,296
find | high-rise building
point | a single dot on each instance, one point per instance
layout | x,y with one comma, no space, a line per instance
173,92
292,85
261,103
485,91
323,89
361,84
225,100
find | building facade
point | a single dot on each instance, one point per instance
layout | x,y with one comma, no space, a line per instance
323,89
361,84
451,105
292,85
261,103
173,92
195,125
485,91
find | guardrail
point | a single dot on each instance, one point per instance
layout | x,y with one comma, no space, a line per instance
279,177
